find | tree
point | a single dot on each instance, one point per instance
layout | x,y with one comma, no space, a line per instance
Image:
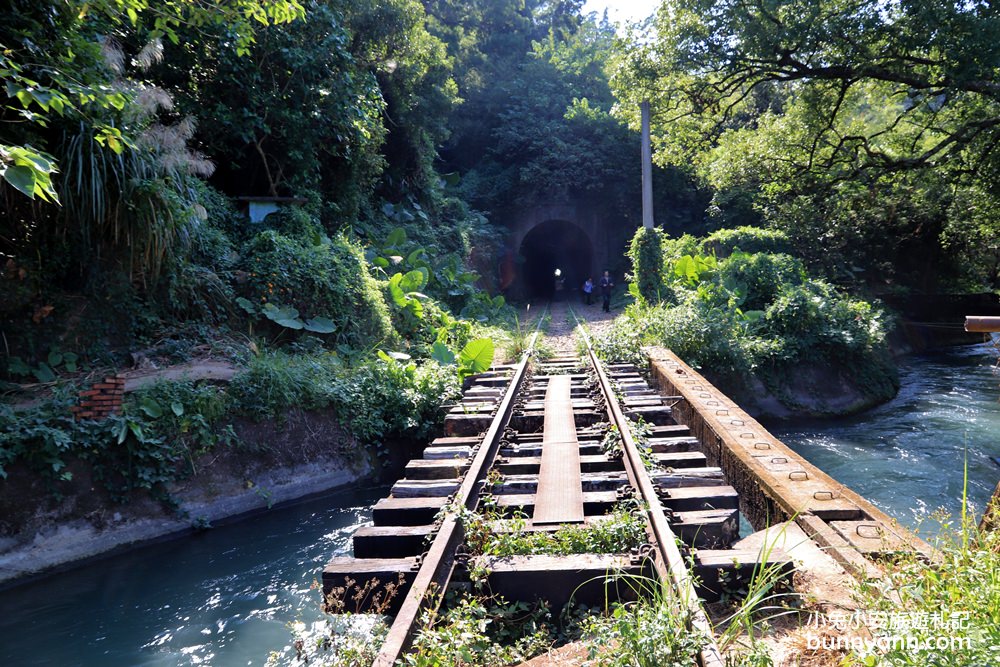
52,65
855,124
928,67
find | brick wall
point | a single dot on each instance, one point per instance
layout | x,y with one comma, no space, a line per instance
103,399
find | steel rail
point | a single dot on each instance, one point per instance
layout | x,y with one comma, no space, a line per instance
669,564
438,563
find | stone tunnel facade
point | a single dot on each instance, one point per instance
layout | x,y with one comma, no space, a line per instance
573,239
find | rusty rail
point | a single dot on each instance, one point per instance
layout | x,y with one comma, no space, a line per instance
437,565
669,562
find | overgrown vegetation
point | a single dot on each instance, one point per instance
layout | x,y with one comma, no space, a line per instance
492,533
652,631
743,315
945,613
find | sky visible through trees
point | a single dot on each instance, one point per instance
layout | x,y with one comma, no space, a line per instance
622,10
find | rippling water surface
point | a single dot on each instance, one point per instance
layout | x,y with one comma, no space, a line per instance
908,455
221,597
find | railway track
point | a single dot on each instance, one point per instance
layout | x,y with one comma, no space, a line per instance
533,438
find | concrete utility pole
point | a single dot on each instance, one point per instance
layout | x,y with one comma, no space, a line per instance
647,169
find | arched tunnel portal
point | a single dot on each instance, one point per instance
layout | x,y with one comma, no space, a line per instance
557,256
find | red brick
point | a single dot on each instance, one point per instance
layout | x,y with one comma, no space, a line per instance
90,392
104,385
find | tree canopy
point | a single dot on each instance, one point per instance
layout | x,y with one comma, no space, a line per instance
810,108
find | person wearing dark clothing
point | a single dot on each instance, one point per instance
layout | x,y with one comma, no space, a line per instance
606,285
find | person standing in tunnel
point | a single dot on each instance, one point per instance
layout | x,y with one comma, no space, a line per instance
588,291
606,285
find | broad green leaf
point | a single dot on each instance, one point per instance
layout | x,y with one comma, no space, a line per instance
55,358
416,308
414,281
323,325
414,256
276,314
44,373
247,305
290,323
16,366
177,408
477,355
151,408
396,237
381,262
396,292
69,361
441,354
22,179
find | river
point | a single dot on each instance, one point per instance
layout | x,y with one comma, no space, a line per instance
224,597
221,597
908,455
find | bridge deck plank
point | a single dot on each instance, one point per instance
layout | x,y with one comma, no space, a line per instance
559,496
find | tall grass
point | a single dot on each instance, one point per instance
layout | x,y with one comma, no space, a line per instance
948,612
653,631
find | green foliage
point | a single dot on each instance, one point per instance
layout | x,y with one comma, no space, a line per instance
866,161
476,357
964,586
376,399
153,442
326,284
618,532
646,253
41,439
481,631
188,414
757,315
45,370
651,632
751,240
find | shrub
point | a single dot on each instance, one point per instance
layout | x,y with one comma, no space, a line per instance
757,314
327,280
376,399
747,239
646,253
757,279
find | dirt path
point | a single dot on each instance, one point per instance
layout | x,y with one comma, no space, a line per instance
561,334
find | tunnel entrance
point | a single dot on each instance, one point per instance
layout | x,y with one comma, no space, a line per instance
556,245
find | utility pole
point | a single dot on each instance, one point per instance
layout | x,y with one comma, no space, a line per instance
647,170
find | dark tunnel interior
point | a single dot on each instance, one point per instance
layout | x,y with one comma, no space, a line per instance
556,245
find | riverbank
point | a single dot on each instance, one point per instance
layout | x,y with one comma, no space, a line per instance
305,454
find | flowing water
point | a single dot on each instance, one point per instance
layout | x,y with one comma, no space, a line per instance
224,597
908,456
221,597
